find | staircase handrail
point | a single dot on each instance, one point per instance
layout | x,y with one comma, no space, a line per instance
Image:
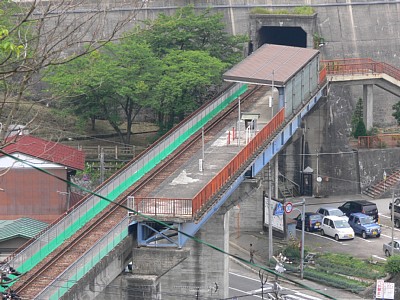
359,66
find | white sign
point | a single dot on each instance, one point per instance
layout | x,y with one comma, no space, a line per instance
384,290
277,221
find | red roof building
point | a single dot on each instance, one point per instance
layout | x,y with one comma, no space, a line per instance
33,178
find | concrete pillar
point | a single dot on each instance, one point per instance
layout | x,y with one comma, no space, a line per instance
204,274
368,101
276,177
281,98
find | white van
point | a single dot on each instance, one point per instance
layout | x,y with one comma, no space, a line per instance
336,227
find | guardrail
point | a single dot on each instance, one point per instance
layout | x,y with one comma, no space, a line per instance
379,141
359,66
190,207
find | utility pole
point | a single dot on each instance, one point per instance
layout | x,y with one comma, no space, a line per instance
101,165
391,248
270,241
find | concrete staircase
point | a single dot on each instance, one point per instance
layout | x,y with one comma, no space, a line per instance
377,190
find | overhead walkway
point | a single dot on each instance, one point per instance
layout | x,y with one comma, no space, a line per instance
365,72
253,156
293,72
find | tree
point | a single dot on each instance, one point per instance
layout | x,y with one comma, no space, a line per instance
357,117
186,30
186,77
360,129
396,113
38,34
114,83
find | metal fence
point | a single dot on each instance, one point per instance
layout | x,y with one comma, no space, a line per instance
83,265
379,141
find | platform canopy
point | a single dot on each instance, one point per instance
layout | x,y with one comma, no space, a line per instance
270,65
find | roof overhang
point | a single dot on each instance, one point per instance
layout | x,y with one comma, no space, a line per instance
271,65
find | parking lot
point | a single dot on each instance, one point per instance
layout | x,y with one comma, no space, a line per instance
370,248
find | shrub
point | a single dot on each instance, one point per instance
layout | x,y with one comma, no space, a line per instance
335,280
393,265
304,10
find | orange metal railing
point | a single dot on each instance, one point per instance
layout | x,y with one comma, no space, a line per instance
379,141
354,66
219,180
190,207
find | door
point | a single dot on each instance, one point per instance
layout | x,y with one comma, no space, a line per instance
307,188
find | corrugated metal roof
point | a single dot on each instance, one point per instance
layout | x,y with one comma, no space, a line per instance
271,63
23,227
47,150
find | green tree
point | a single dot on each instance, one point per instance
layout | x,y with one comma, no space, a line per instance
186,78
187,30
360,129
114,83
357,116
396,113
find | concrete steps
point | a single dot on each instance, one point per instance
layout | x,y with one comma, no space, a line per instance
377,190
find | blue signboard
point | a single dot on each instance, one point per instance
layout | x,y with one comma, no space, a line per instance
278,211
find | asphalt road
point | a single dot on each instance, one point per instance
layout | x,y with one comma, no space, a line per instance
359,247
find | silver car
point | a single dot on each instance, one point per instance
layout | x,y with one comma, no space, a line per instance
331,211
387,247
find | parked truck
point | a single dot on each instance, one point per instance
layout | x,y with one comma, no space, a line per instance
396,213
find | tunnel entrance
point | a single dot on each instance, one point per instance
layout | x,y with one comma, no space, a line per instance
287,36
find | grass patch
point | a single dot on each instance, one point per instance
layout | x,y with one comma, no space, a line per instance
300,10
349,266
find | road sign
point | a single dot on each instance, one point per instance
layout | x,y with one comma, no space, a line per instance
278,209
288,207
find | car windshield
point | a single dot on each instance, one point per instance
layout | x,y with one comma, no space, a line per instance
366,221
315,217
369,208
341,224
336,212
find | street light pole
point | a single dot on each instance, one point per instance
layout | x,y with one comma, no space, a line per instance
302,211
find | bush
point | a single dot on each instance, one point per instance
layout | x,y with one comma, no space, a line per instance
393,265
304,10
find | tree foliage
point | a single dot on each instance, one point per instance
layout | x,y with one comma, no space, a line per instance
392,265
396,113
171,66
357,118
188,30
37,34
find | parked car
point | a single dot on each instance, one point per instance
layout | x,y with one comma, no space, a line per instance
360,206
331,211
312,221
387,247
336,227
364,225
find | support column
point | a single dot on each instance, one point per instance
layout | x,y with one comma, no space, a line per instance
368,101
276,177
281,97
204,274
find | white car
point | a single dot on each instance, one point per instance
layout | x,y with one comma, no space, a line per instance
336,227
331,211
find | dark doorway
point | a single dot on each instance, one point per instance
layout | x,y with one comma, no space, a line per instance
288,36
307,188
